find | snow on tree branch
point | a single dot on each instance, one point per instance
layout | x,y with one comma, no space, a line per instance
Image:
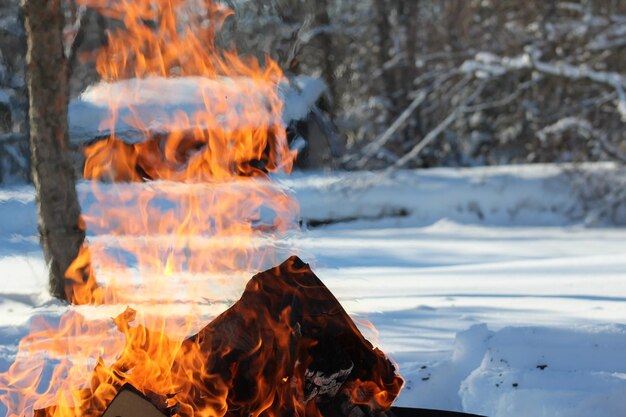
586,130
487,64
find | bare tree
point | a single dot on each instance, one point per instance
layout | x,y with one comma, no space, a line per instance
59,211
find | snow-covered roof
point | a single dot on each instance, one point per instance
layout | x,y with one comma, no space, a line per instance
153,102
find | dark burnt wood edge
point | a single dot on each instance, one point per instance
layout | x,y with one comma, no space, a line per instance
131,388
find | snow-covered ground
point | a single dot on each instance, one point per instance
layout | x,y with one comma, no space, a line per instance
483,285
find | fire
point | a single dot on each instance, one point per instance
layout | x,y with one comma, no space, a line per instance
230,136
169,248
222,151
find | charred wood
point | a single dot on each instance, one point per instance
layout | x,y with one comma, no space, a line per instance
309,348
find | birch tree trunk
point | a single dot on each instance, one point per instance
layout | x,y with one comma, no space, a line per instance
57,202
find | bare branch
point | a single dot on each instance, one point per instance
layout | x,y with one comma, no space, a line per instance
374,147
486,64
433,134
504,101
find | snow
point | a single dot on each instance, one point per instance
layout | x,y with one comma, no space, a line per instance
483,284
495,196
525,367
5,95
139,104
486,65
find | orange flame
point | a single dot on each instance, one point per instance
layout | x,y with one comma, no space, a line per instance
222,150
167,247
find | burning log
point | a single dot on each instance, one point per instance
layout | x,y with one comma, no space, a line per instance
289,344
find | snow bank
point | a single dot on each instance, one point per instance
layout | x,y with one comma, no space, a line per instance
521,195
153,102
436,385
546,372
527,372
531,195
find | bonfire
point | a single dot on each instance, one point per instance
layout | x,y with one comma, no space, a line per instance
286,348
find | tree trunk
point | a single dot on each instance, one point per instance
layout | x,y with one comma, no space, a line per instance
411,22
381,12
57,202
322,19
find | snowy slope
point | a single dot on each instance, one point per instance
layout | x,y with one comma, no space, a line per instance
481,314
